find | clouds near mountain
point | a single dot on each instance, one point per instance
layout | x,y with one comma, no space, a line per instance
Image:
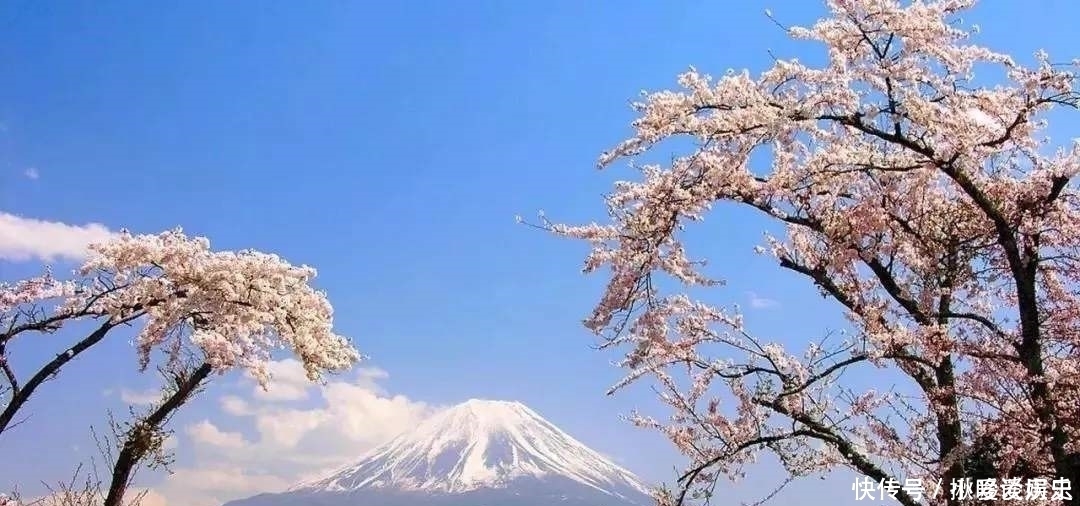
266,441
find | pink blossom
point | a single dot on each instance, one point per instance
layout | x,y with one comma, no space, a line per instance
929,208
232,307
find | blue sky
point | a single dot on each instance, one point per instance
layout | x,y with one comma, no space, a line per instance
390,146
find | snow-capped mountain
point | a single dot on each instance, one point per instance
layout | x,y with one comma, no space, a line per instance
478,453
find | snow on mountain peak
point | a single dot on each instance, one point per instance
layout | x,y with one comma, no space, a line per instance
485,414
480,444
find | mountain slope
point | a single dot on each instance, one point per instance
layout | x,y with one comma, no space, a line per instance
478,453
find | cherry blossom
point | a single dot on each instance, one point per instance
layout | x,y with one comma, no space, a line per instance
231,308
932,209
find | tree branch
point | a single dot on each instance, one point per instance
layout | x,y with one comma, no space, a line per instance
53,367
140,440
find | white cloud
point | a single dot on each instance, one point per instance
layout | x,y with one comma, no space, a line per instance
235,406
206,433
31,173
759,302
143,398
276,440
215,484
23,239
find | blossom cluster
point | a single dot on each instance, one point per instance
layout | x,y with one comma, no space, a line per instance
933,211
234,308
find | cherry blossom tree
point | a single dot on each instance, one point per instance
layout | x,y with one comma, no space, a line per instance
198,312
932,209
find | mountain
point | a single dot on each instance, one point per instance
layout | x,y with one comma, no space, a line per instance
478,453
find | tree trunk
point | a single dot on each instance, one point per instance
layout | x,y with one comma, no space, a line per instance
137,444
